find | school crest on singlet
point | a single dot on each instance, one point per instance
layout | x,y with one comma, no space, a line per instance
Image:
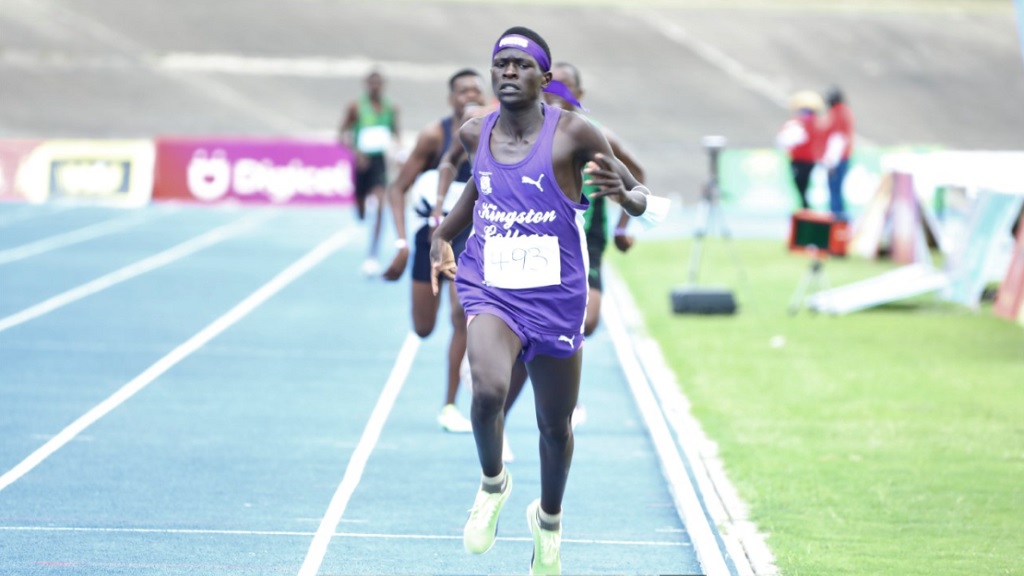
484,178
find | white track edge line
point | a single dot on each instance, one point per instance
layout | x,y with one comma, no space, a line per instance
684,493
306,534
745,544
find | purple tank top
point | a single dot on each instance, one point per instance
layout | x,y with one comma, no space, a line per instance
527,254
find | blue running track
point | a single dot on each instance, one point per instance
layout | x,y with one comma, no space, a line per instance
211,391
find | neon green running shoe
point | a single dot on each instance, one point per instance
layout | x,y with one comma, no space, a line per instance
547,544
482,525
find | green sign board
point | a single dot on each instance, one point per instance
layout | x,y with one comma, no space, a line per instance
760,179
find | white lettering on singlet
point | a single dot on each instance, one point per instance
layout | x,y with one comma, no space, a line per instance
507,218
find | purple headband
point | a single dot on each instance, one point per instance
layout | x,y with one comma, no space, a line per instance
533,49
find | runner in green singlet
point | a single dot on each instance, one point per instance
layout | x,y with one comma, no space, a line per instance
370,128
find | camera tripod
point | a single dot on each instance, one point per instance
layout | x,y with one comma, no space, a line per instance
814,279
709,212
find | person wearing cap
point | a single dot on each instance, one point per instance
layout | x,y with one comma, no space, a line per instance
838,148
522,278
802,136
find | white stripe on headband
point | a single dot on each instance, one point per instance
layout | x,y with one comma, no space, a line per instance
526,45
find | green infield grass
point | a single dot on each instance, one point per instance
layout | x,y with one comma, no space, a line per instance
888,441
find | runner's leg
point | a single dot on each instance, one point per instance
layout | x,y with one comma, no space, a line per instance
457,346
493,348
556,386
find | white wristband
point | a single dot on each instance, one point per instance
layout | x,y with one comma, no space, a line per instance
401,244
642,189
657,208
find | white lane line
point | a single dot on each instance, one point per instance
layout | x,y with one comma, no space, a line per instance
356,465
71,237
132,270
358,535
687,502
243,308
745,543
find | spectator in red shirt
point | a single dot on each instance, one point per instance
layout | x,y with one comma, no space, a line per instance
838,146
803,136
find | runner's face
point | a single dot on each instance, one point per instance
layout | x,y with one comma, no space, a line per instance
560,74
375,84
466,91
516,77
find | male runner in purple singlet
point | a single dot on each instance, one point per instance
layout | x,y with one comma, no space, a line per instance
522,278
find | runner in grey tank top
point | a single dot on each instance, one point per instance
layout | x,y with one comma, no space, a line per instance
526,260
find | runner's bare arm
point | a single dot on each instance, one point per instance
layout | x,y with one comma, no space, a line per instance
446,175
623,240
395,130
348,124
604,170
426,146
442,257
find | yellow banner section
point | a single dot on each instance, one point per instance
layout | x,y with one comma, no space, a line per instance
115,172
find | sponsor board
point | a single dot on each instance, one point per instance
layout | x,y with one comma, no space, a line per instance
117,172
253,171
761,180
14,153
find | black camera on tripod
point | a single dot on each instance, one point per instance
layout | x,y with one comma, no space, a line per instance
694,299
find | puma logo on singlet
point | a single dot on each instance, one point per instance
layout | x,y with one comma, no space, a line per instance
570,340
531,181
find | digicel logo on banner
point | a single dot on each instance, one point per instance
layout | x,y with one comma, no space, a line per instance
254,171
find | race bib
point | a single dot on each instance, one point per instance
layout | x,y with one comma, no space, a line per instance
522,262
374,139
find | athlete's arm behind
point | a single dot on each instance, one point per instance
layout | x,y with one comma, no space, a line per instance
446,172
623,240
591,153
422,153
442,257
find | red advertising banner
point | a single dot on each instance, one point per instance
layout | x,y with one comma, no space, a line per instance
1010,299
253,171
